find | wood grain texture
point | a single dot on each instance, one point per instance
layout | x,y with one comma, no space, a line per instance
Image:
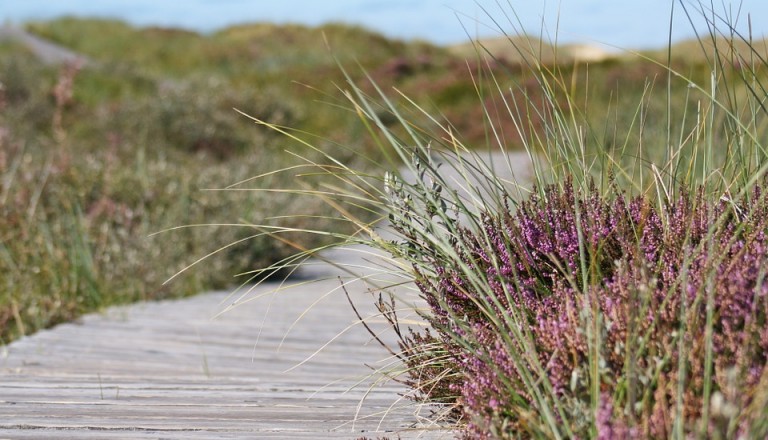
178,369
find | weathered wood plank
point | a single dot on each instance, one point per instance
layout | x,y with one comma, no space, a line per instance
170,370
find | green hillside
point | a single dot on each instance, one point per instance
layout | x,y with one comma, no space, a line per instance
95,160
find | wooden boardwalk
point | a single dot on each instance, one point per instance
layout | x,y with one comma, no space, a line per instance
181,369
171,370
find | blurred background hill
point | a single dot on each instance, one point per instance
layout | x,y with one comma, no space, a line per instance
97,155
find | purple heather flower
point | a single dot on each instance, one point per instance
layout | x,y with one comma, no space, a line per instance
650,272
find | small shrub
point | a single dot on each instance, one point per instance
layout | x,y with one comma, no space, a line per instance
632,283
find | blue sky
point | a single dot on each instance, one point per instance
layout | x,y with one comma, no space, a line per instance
622,23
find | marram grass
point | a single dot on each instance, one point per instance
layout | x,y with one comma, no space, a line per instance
620,294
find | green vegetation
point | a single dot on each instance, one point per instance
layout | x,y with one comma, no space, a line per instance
84,185
95,160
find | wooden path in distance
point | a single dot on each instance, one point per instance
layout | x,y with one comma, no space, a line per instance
46,51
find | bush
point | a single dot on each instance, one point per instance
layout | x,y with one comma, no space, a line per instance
586,275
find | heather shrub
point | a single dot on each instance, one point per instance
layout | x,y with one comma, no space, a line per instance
570,276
